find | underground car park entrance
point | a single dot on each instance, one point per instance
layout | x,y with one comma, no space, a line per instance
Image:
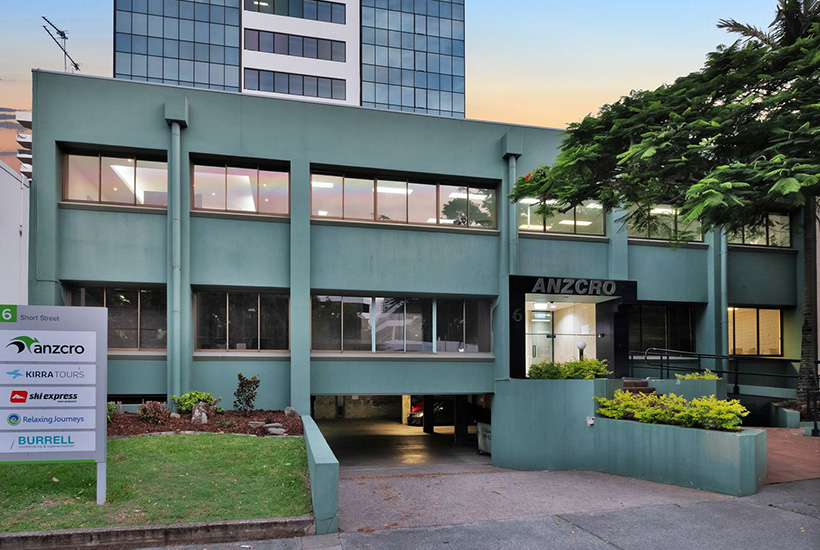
380,431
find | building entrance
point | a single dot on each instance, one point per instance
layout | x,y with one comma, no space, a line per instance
554,329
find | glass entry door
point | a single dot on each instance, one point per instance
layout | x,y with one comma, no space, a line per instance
540,335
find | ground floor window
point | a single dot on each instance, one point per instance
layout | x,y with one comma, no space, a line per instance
661,326
755,331
400,324
242,321
137,317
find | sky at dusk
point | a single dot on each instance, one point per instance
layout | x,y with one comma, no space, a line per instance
535,62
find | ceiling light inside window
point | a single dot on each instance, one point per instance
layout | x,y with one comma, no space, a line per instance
570,222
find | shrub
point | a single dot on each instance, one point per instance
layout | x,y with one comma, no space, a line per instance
705,375
245,393
582,369
154,412
702,412
186,402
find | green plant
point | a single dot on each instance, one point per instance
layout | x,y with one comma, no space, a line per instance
705,375
186,402
154,412
223,422
702,412
582,369
111,408
245,393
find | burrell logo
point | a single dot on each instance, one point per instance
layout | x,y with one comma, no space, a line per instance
18,396
50,440
34,346
15,374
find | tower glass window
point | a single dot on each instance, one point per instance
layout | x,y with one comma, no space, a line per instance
413,56
183,43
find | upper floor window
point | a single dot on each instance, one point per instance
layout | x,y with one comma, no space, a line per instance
401,324
294,45
123,180
585,219
661,326
242,321
665,223
233,189
316,10
401,201
755,331
775,232
137,317
295,84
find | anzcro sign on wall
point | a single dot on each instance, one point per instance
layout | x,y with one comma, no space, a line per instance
53,385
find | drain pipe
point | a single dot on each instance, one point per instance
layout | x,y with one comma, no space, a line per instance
176,115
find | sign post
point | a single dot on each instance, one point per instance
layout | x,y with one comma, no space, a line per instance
53,386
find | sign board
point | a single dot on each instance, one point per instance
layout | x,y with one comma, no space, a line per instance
53,385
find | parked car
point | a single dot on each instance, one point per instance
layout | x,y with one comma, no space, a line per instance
443,411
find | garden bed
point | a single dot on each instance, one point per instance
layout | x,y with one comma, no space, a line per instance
125,424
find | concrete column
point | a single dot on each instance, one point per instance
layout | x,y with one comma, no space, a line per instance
512,146
618,261
713,327
460,420
176,115
428,421
406,405
300,286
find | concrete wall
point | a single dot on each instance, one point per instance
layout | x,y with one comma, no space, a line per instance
324,478
104,244
542,425
14,234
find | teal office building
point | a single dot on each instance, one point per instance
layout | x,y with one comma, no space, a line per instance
334,250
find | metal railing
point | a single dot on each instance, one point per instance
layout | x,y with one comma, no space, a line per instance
662,360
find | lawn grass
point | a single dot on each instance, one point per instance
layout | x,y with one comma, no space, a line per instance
160,480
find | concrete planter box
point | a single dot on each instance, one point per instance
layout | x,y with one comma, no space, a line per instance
785,418
690,389
732,463
543,425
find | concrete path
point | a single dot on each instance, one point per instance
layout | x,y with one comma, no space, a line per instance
791,455
780,516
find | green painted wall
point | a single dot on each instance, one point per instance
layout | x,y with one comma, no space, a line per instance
98,243
781,277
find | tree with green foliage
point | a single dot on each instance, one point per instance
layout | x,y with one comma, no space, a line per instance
725,146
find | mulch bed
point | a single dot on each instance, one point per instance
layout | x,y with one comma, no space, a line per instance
227,422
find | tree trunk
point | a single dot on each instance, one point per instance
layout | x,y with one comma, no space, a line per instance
808,345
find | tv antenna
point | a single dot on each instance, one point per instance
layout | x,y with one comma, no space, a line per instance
63,37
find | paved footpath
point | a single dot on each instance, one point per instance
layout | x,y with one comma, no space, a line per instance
785,515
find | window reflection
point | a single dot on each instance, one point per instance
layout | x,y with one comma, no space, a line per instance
136,317
587,218
754,331
358,199
235,321
274,188
326,323
664,222
775,232
114,180
389,314
356,324
233,189
83,181
326,196
391,200
241,189
421,203
117,180
152,183
454,205
209,187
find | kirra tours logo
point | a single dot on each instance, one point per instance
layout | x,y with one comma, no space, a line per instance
33,346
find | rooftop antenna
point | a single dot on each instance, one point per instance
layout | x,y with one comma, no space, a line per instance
63,35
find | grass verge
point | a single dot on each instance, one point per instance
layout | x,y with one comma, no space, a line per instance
161,480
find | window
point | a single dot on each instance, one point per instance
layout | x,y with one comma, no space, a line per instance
585,219
295,84
242,321
115,180
233,189
400,201
664,223
275,42
317,10
400,324
775,232
661,326
754,331
137,317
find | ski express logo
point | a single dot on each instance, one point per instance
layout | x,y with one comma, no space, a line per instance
49,396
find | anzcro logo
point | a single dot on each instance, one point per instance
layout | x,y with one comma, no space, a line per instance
34,346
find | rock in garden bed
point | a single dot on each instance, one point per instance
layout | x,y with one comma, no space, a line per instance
227,422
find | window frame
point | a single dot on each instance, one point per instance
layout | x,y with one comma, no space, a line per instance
767,226
227,349
134,156
675,231
638,309
373,327
731,345
139,290
574,231
227,164
407,181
